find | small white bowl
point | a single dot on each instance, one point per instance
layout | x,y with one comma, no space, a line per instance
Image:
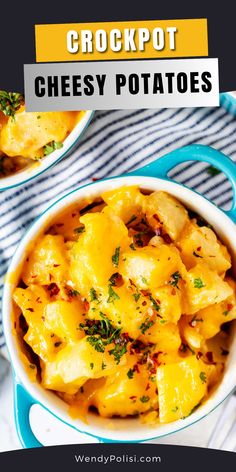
38,167
119,429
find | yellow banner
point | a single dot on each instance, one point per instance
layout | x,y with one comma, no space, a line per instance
121,40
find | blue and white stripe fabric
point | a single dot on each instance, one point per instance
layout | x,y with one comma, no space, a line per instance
117,142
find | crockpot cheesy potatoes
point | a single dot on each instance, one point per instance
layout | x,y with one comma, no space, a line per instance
124,305
26,137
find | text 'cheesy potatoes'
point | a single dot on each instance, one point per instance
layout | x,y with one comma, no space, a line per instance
124,306
26,136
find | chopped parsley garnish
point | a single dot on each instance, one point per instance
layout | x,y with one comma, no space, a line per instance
144,280
119,350
97,343
203,377
130,373
226,312
136,296
197,255
175,277
93,294
103,365
79,230
91,365
146,325
144,399
211,170
132,246
52,146
154,303
112,295
175,409
198,283
115,257
74,293
10,102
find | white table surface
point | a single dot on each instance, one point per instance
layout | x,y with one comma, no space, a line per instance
50,431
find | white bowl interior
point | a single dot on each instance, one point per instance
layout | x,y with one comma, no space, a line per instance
38,167
120,429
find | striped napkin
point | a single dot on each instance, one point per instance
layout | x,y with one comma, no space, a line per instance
117,142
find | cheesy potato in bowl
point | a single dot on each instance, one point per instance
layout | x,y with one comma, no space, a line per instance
31,142
124,306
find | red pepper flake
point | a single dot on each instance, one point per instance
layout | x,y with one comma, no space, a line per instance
30,309
56,265
53,289
33,276
145,293
199,248
133,397
59,225
209,356
43,318
156,217
173,291
229,306
38,300
136,368
94,179
147,386
86,305
167,238
50,277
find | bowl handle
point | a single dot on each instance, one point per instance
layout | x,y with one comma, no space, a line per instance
22,404
195,152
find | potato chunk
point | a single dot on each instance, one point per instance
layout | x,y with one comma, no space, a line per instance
125,202
63,318
172,216
32,302
76,363
126,392
205,287
29,132
165,336
181,386
200,243
151,267
47,263
96,255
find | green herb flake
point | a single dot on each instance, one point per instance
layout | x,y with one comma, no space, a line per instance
203,377
130,373
51,147
132,246
91,365
79,230
198,283
144,280
115,257
112,295
154,303
226,312
97,343
175,409
118,351
10,102
144,399
103,365
174,280
211,170
136,296
146,325
93,294
74,293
